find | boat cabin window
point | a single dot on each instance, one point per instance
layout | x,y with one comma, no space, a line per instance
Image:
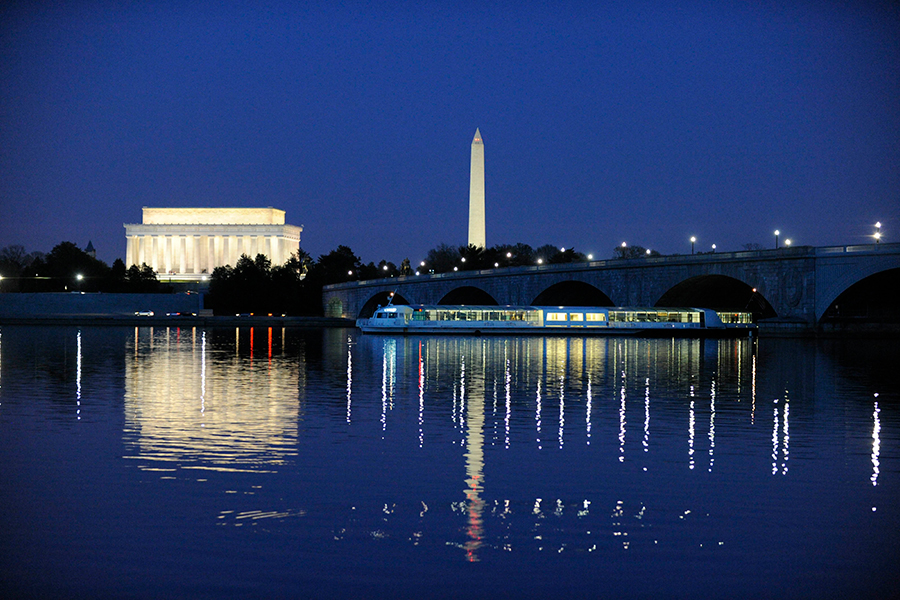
596,317
576,316
556,316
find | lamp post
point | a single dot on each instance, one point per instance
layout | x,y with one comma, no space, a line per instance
714,248
878,232
787,243
693,240
776,238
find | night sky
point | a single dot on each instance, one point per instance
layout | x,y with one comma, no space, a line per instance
603,122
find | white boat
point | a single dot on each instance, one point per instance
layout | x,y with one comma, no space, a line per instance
571,320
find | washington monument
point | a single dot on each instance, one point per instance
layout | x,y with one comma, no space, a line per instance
476,193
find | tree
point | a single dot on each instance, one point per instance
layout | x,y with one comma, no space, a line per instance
567,255
141,280
633,252
471,258
339,265
518,255
387,269
442,259
66,262
545,253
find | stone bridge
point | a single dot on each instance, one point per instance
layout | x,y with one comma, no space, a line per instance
788,285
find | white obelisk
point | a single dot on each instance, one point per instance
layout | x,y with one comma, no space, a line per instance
476,193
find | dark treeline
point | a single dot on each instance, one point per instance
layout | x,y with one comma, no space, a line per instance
254,285
68,268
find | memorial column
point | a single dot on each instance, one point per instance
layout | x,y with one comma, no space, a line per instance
182,254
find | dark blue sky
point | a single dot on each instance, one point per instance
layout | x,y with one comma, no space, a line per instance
603,122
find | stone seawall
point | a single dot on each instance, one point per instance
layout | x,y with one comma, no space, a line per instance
20,306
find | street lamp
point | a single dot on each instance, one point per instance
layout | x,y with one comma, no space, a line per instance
648,251
693,239
714,248
540,261
590,257
777,233
787,243
878,232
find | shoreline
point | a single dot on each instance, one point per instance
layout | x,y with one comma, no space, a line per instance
765,331
180,321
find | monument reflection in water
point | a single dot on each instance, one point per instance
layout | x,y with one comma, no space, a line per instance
204,406
270,461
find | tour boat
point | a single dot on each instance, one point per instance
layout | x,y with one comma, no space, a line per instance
569,320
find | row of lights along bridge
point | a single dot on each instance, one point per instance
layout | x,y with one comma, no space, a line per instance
693,240
540,261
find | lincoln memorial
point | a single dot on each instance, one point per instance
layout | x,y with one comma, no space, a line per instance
193,241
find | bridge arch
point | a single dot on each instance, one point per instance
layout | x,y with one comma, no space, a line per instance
572,293
380,299
875,297
719,292
468,294
842,281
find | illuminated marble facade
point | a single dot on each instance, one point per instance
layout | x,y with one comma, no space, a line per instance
193,241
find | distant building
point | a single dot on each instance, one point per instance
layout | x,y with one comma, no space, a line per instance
90,251
189,242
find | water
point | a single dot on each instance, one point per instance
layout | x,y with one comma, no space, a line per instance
290,463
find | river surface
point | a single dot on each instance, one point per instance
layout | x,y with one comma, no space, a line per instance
179,462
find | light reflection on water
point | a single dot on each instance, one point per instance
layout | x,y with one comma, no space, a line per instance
209,408
483,447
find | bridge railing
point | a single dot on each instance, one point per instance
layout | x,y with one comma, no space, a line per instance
772,254
868,248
